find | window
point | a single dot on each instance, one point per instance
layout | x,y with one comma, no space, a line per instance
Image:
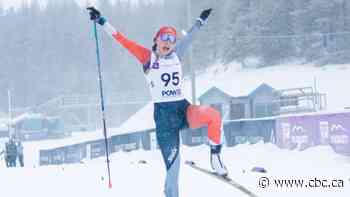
263,110
289,101
237,111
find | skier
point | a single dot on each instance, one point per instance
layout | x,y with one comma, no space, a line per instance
162,66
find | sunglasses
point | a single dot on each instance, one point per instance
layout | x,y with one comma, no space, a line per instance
168,37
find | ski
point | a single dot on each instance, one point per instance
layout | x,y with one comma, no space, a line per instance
225,179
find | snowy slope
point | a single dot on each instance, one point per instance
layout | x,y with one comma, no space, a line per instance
134,179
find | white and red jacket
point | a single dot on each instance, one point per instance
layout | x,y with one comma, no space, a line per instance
164,74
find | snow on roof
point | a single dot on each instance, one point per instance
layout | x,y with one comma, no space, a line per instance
248,94
141,120
25,116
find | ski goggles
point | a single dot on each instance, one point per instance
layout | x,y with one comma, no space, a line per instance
167,37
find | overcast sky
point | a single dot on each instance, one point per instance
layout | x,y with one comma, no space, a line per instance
8,3
15,3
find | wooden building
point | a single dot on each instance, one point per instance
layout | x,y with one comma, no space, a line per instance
263,101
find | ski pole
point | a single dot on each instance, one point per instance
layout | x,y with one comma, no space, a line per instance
102,104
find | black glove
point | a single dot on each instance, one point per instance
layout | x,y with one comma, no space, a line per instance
94,13
205,14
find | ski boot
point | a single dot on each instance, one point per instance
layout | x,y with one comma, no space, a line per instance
216,161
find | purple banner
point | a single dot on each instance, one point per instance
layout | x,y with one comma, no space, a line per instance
296,132
335,130
301,132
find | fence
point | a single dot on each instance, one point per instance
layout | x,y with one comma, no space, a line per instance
291,132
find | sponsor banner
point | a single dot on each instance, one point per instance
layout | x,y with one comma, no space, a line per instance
194,137
249,131
149,140
334,129
57,156
301,132
73,154
97,149
45,157
297,132
126,142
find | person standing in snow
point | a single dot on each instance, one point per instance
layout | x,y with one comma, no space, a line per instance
162,66
1,153
11,153
20,153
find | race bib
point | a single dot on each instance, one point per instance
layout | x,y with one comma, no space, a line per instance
165,79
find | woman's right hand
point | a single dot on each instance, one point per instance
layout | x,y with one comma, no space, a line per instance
95,15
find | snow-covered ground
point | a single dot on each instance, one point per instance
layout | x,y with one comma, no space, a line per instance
135,179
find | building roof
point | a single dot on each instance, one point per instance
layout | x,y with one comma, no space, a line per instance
225,92
25,116
237,82
261,87
213,90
